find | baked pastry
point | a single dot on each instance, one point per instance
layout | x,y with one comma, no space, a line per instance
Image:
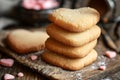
68,63
69,51
73,39
75,20
24,41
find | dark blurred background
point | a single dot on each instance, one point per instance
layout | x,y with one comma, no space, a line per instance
11,14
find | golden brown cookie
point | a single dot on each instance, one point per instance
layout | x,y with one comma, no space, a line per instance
75,20
69,51
67,63
24,41
73,39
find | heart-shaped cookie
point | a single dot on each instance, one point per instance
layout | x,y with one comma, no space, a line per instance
75,20
23,41
67,63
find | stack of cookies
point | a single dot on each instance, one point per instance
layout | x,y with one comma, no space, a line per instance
73,35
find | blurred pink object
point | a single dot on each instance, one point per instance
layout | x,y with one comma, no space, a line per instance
49,4
37,7
9,77
102,68
33,57
110,54
7,62
39,4
20,74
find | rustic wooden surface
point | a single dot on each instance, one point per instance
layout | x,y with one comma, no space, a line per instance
36,68
29,74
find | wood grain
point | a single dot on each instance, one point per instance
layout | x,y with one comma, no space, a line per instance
90,72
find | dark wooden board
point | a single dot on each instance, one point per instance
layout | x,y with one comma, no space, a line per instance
29,74
90,72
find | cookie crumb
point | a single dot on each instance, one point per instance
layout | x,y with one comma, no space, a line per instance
33,57
8,77
7,62
110,54
20,74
